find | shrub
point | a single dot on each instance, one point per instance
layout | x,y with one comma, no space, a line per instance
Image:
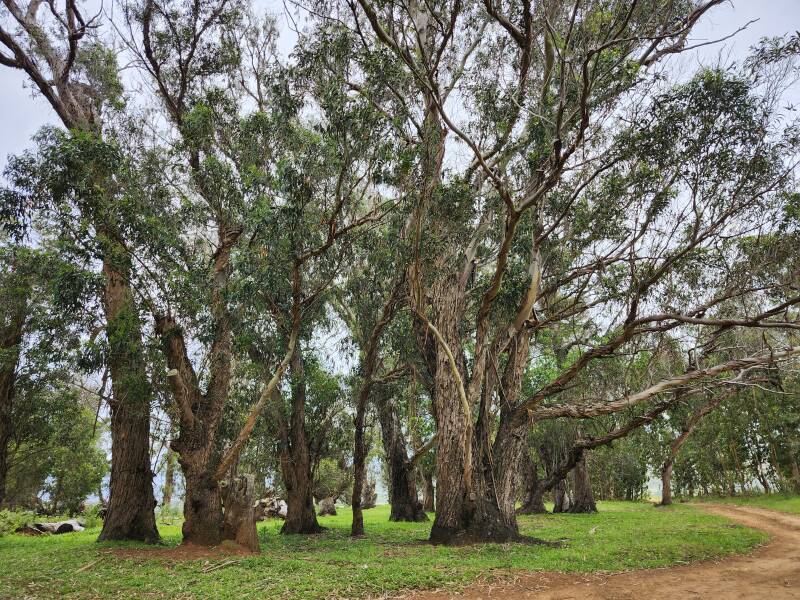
10,520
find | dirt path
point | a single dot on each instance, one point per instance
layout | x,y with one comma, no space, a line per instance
771,572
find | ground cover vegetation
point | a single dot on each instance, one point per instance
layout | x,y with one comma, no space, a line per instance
392,558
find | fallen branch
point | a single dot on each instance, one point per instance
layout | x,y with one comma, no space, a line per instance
217,566
88,566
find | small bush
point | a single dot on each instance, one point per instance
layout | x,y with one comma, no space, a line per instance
90,517
10,520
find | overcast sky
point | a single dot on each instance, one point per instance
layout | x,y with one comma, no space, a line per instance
22,112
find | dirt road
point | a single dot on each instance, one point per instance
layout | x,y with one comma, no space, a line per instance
771,572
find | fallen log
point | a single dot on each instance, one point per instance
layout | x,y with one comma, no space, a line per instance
59,527
29,529
370,496
270,507
327,506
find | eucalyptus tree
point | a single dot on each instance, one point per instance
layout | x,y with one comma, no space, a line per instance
183,51
317,196
68,64
589,197
740,444
368,302
15,293
277,165
674,447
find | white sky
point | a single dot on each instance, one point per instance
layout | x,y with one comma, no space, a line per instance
22,113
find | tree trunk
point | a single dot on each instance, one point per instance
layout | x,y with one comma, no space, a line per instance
405,505
534,498
240,519
481,507
678,442
509,448
296,460
560,497
202,505
10,341
428,493
300,514
200,413
131,503
454,509
169,479
666,483
5,435
359,470
762,479
477,512
214,512
583,499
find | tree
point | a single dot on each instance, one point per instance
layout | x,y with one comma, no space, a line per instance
536,206
77,75
14,297
49,459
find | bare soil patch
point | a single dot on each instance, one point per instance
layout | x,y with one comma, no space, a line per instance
181,553
772,571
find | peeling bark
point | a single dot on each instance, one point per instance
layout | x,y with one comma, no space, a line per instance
428,492
14,317
131,504
240,519
582,496
534,495
295,460
405,505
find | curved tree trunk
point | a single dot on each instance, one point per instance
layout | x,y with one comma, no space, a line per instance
131,503
560,497
405,505
534,495
583,499
428,492
169,479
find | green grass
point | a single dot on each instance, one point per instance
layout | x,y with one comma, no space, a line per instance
788,503
392,557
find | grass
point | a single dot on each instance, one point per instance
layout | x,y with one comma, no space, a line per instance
391,558
788,503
